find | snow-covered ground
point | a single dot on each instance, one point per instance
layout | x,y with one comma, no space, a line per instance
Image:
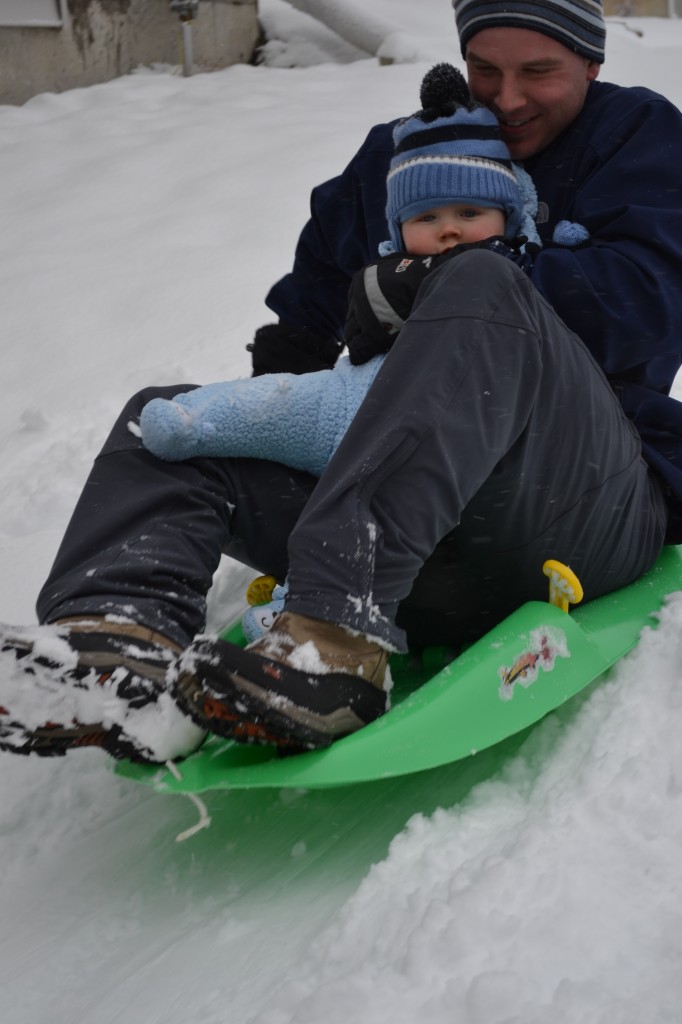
142,223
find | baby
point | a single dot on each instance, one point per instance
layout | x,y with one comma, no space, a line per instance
451,183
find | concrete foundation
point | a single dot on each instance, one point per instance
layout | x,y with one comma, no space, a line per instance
103,39
643,8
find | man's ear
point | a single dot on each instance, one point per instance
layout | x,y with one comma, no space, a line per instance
592,70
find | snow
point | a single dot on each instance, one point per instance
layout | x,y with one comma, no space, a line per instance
142,223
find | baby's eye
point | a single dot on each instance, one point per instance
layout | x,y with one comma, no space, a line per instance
427,217
470,213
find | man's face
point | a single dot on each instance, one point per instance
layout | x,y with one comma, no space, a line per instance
535,86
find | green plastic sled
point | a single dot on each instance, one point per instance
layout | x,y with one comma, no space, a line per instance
528,665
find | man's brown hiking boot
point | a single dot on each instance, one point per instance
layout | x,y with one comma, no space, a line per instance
89,682
303,685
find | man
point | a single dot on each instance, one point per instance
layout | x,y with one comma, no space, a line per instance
489,441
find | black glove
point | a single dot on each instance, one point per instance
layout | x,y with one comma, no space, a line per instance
282,348
380,300
382,295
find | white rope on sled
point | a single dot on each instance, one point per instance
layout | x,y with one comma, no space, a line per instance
204,817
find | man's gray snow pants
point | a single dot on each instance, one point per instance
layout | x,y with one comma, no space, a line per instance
489,442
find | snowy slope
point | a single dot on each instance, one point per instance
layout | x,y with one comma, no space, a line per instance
142,223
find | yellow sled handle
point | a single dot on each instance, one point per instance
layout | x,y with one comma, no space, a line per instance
564,586
260,590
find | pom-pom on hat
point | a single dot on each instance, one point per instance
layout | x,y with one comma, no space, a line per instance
451,151
577,24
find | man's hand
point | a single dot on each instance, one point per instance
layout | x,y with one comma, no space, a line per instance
510,248
282,348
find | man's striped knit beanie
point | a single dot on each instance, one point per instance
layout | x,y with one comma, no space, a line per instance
577,24
451,151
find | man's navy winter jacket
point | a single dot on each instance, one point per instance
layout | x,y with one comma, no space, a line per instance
617,170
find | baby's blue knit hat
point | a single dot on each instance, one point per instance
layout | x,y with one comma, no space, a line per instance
451,151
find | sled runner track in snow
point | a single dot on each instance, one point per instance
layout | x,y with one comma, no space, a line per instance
528,665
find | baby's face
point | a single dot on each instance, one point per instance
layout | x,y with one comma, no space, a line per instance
435,231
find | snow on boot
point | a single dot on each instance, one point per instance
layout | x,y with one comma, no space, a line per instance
305,684
91,683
